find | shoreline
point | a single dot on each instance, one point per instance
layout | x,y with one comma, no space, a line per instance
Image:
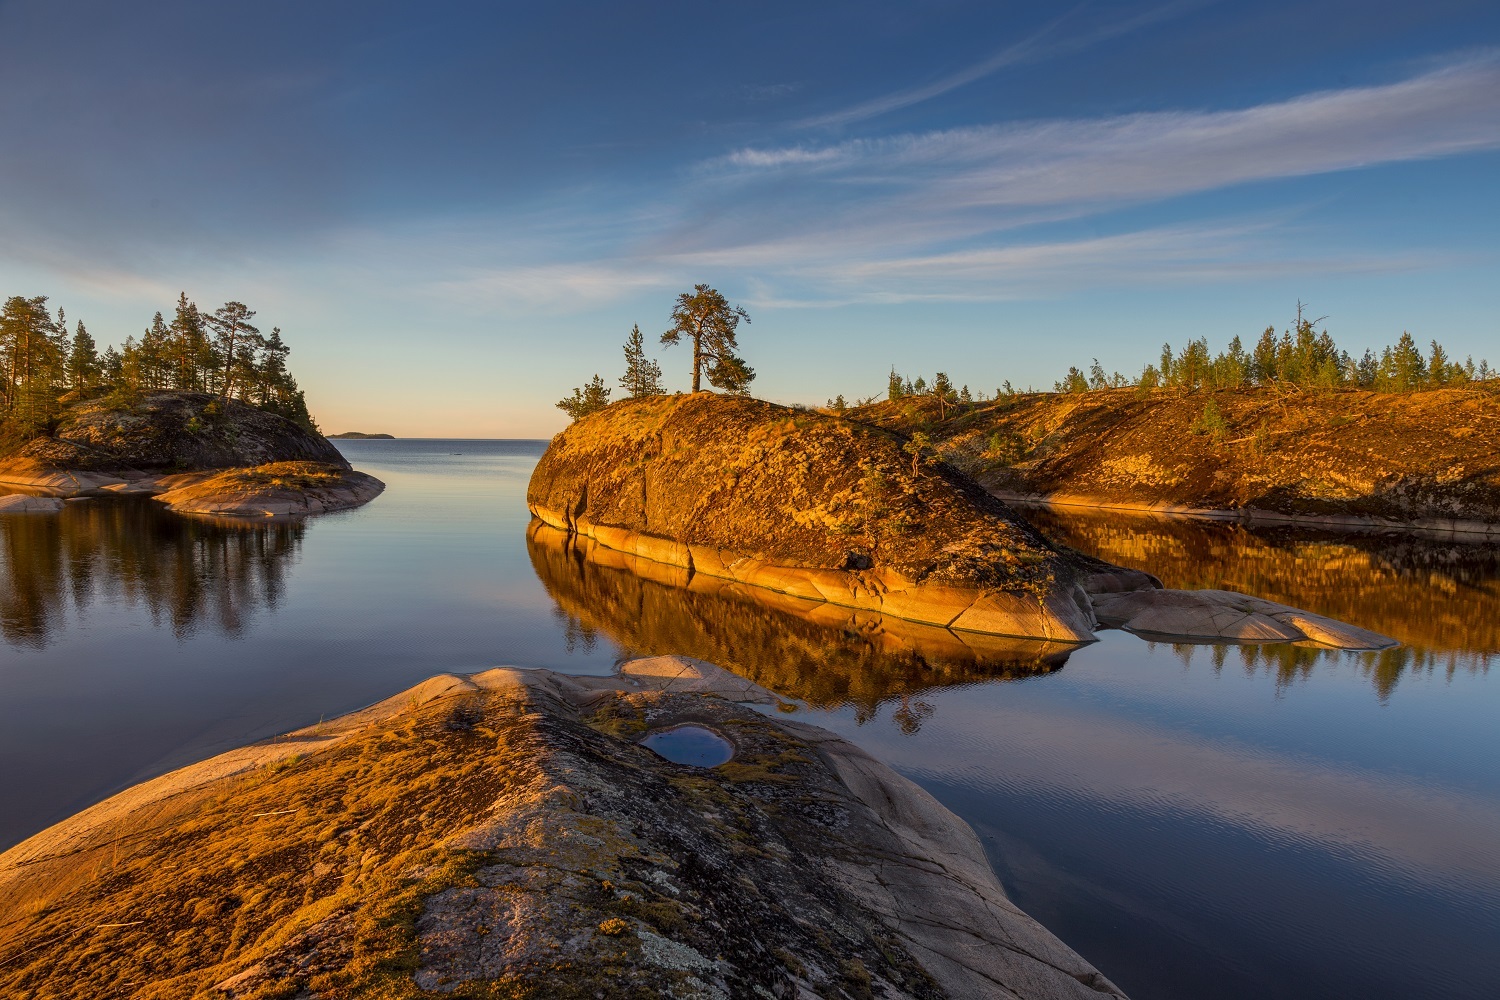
1437,528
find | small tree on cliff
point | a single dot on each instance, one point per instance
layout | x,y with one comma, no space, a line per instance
642,374
592,398
706,317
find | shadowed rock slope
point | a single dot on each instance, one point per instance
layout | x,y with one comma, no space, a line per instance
812,506
503,835
1425,458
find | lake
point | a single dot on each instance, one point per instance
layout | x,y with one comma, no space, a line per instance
1196,820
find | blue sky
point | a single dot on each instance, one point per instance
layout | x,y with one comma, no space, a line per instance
455,212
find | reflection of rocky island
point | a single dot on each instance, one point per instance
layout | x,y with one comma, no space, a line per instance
197,452
802,649
506,834
1440,598
187,571
842,513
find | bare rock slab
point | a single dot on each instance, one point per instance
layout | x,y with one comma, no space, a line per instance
504,833
1224,615
20,503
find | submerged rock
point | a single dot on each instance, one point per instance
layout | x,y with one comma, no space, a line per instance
812,506
505,832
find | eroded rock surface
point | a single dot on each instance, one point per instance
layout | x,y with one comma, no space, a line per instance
284,489
504,834
19,503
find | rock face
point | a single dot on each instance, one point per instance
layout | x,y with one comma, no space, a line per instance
505,834
96,445
1424,459
812,506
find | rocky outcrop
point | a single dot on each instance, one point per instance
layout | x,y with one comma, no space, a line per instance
1227,616
1346,457
284,489
506,833
20,503
811,506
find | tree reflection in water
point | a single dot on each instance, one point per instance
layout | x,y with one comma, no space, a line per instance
1441,598
185,571
820,654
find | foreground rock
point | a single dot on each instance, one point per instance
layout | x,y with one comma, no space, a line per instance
504,834
177,441
812,506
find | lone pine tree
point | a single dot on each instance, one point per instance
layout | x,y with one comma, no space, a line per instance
592,398
706,318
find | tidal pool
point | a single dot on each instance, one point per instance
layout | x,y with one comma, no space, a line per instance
1236,822
696,746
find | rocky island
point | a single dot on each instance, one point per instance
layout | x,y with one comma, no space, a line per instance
196,452
509,833
360,436
851,515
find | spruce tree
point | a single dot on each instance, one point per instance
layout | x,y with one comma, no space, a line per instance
83,361
642,374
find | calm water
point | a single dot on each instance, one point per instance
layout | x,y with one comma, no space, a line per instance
1199,821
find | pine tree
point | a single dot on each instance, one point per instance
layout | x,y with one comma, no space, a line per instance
707,319
642,374
232,335
83,366
942,391
592,398
1438,368
895,388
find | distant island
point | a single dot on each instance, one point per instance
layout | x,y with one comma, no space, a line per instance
358,436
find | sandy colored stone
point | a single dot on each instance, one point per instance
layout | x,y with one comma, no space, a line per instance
283,490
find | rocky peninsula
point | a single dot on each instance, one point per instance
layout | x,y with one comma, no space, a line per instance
508,834
196,452
1423,459
847,514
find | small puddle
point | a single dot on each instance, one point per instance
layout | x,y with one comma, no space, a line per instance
696,746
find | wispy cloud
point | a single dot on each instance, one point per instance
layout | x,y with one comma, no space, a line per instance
1046,43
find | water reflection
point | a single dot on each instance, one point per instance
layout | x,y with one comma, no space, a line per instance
823,655
1440,598
185,572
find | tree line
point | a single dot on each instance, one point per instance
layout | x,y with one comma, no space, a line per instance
1304,356
704,319
44,366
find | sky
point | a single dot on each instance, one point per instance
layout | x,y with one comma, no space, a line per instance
455,212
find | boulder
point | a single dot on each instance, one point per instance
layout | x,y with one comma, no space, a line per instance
503,833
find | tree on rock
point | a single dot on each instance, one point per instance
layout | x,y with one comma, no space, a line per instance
592,398
234,340
706,317
642,374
